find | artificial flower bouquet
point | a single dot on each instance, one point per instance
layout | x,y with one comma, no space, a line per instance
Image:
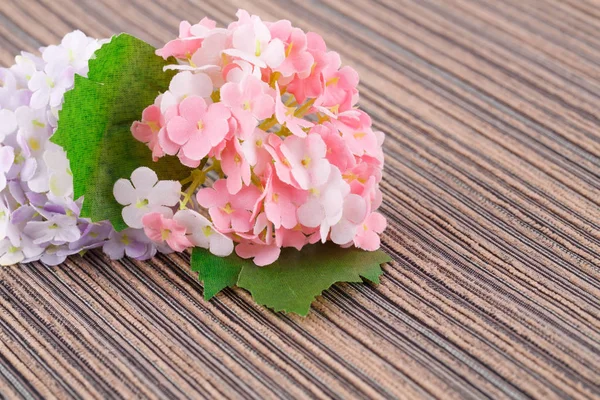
243,144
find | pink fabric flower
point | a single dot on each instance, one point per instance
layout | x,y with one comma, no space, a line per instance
291,237
367,237
251,41
147,130
182,47
298,59
340,86
229,213
197,128
307,160
249,102
235,166
313,85
280,202
354,213
254,149
262,254
274,114
162,229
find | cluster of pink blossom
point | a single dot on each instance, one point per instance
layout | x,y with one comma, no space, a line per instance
39,219
272,113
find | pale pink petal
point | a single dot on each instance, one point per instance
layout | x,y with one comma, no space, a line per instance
355,208
197,147
343,232
266,255
192,108
320,171
179,130
368,240
209,197
263,106
376,222
274,54
166,144
311,214
231,94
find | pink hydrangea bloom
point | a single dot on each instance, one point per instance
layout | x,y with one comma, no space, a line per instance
271,111
147,130
163,229
249,102
367,237
198,128
229,213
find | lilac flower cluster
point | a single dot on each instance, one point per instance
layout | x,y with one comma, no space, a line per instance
39,218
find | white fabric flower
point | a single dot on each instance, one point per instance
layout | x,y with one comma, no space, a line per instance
145,194
186,84
323,206
8,123
202,233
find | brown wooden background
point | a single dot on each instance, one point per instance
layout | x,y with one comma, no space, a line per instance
492,190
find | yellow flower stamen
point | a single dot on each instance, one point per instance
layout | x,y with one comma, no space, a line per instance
228,209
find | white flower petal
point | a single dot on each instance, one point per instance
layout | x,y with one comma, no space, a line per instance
220,245
124,192
166,193
144,178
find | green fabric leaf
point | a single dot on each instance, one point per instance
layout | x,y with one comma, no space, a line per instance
295,279
94,124
217,273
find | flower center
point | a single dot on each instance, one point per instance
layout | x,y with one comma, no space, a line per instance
207,230
37,124
359,135
228,209
246,105
306,162
19,158
49,82
34,144
332,81
141,203
125,240
288,50
314,191
53,226
200,125
13,249
275,198
259,143
153,126
165,234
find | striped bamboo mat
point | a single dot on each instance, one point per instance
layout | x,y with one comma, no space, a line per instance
492,190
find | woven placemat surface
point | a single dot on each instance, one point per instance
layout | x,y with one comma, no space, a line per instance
491,190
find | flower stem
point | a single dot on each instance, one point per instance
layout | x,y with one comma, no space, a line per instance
301,112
